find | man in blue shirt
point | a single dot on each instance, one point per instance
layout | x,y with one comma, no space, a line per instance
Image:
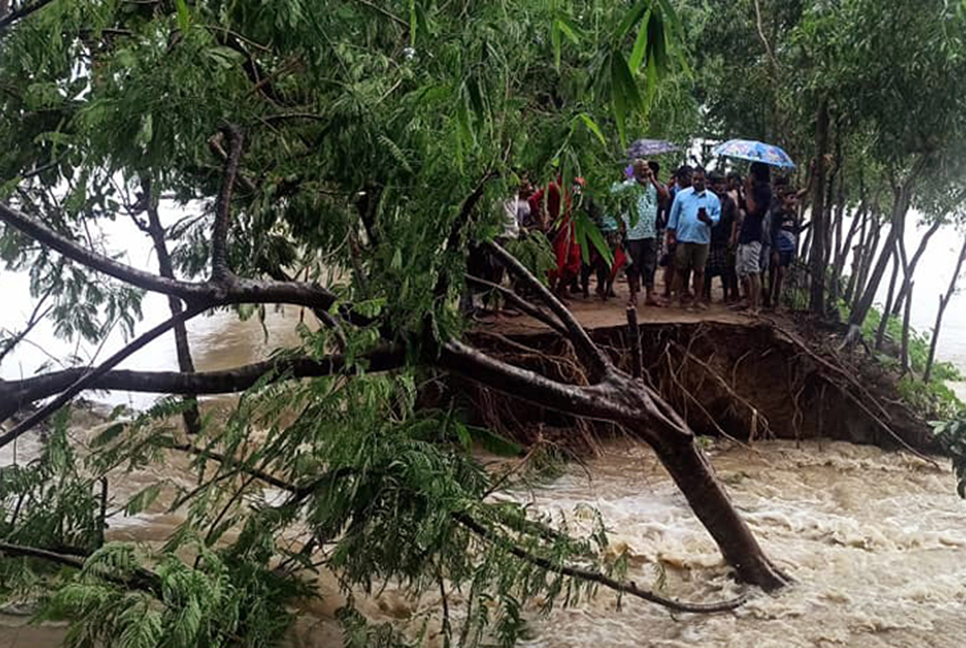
694,212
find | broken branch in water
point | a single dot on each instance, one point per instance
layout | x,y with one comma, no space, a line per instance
596,576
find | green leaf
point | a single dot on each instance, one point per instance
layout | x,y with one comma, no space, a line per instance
143,499
630,19
593,127
555,41
184,15
110,433
640,44
146,134
413,23
567,29
625,95
245,311
593,233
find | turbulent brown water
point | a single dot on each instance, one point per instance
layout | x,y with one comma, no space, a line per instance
876,542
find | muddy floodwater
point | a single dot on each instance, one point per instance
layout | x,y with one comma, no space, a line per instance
875,540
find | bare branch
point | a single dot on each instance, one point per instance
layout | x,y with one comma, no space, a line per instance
219,238
49,238
226,291
15,394
533,311
41,554
598,362
91,376
35,318
21,13
591,402
141,579
595,576
385,12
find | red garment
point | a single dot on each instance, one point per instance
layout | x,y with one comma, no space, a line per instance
566,248
619,260
546,217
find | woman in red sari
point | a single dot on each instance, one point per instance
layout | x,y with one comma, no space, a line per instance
562,233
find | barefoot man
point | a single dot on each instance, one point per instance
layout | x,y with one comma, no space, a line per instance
694,212
640,229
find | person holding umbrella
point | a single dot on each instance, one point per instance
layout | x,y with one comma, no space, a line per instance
694,212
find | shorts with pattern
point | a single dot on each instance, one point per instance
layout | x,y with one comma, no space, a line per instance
748,259
717,261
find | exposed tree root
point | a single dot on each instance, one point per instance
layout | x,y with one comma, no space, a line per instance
744,382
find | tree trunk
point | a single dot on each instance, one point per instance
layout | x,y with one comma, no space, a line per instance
816,302
691,472
192,417
897,306
905,331
943,303
884,321
900,207
868,256
838,264
857,255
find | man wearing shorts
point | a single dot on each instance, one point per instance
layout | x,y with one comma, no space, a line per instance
694,212
748,259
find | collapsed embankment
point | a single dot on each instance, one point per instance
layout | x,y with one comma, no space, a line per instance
744,380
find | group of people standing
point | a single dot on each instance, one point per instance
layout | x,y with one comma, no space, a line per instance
698,226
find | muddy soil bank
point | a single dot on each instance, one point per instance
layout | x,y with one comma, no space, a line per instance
747,380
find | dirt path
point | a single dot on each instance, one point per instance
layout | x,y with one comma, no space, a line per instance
593,314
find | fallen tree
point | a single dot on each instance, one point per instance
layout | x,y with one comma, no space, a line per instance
303,153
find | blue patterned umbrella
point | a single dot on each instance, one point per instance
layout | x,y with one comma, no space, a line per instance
643,148
756,152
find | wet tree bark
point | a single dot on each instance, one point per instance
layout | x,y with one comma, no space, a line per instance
864,304
883,323
692,473
856,260
816,302
191,415
905,331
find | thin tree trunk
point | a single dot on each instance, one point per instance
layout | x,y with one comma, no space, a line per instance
900,207
816,302
923,242
868,256
943,303
905,331
191,415
884,321
838,264
857,255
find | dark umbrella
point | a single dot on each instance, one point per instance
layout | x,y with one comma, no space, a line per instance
643,148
